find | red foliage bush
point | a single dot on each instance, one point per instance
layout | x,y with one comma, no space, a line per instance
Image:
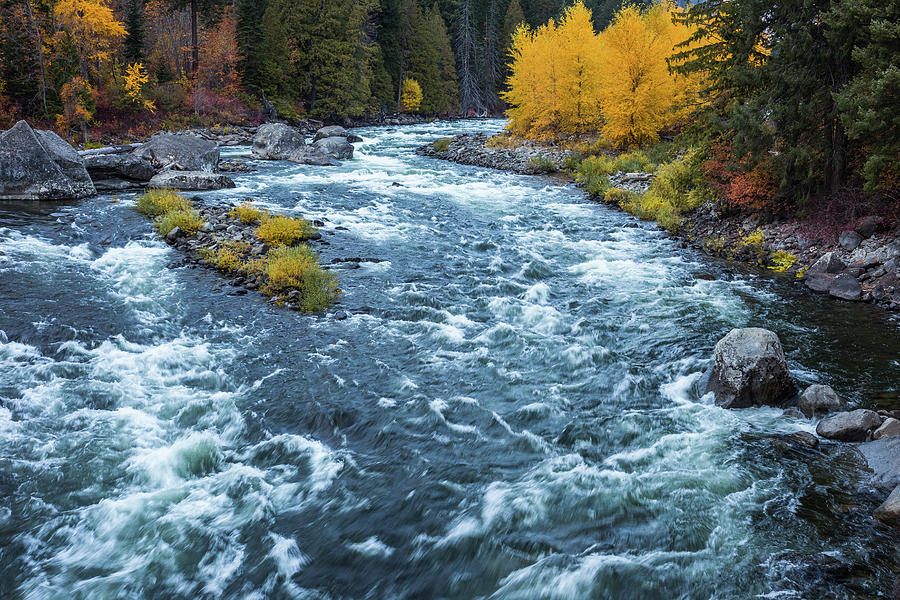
741,188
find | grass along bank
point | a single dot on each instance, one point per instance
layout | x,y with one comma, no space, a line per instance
262,251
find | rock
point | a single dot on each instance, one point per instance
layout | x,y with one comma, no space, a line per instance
309,155
850,240
181,152
123,166
827,263
40,165
336,147
817,400
889,512
750,370
191,180
883,457
792,413
890,428
277,141
174,234
269,114
819,282
331,131
340,316
804,438
852,426
354,139
846,287
867,227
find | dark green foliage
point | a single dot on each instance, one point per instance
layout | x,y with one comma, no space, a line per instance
134,23
427,57
251,41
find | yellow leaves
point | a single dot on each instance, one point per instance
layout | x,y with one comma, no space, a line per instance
566,79
136,78
410,95
92,25
76,95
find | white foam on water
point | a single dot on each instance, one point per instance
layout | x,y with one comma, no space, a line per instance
372,547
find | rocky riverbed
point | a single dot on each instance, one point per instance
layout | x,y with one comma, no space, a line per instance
861,265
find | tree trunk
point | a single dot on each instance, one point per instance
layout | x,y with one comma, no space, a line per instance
195,43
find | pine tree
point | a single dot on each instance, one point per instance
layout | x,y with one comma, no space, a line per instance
134,40
445,97
251,41
466,57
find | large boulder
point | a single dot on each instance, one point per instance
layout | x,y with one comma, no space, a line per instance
827,263
40,165
849,240
191,180
846,287
308,155
890,428
889,512
122,166
818,400
335,147
749,369
851,426
181,152
276,141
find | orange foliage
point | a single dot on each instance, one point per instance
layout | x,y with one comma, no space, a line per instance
752,190
219,56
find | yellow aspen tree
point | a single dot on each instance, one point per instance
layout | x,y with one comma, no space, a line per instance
93,29
578,81
410,95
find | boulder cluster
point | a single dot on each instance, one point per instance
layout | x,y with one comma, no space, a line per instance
277,141
40,165
749,369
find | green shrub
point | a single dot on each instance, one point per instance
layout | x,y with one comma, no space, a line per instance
289,269
159,201
542,164
593,174
187,220
572,161
283,231
618,196
442,144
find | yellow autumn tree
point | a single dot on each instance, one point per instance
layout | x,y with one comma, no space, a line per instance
639,95
567,80
92,28
410,95
136,78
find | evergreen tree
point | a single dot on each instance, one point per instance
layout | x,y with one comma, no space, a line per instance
251,41
134,40
445,98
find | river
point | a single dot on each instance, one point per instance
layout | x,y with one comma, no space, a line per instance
510,410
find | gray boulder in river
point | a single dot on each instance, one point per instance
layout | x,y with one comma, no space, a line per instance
749,369
817,400
889,512
40,165
852,426
118,171
335,147
308,155
276,141
181,152
191,180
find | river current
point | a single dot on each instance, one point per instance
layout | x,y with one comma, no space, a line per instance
509,411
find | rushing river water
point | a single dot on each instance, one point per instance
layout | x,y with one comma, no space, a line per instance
510,410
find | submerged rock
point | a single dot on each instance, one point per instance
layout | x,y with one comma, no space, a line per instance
852,426
277,141
191,180
40,165
750,369
180,152
817,400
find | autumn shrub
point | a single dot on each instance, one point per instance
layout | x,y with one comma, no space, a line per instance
442,144
593,174
618,196
572,161
247,213
187,220
543,164
230,256
740,186
159,201
782,261
283,231
297,269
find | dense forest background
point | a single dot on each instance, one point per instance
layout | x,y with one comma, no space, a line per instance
104,61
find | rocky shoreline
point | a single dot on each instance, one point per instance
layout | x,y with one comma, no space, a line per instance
860,266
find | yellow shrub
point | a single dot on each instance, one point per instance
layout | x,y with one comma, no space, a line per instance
284,231
442,144
159,201
410,95
289,269
618,196
187,220
230,256
782,261
247,213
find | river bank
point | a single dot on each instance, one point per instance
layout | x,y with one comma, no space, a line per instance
858,265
